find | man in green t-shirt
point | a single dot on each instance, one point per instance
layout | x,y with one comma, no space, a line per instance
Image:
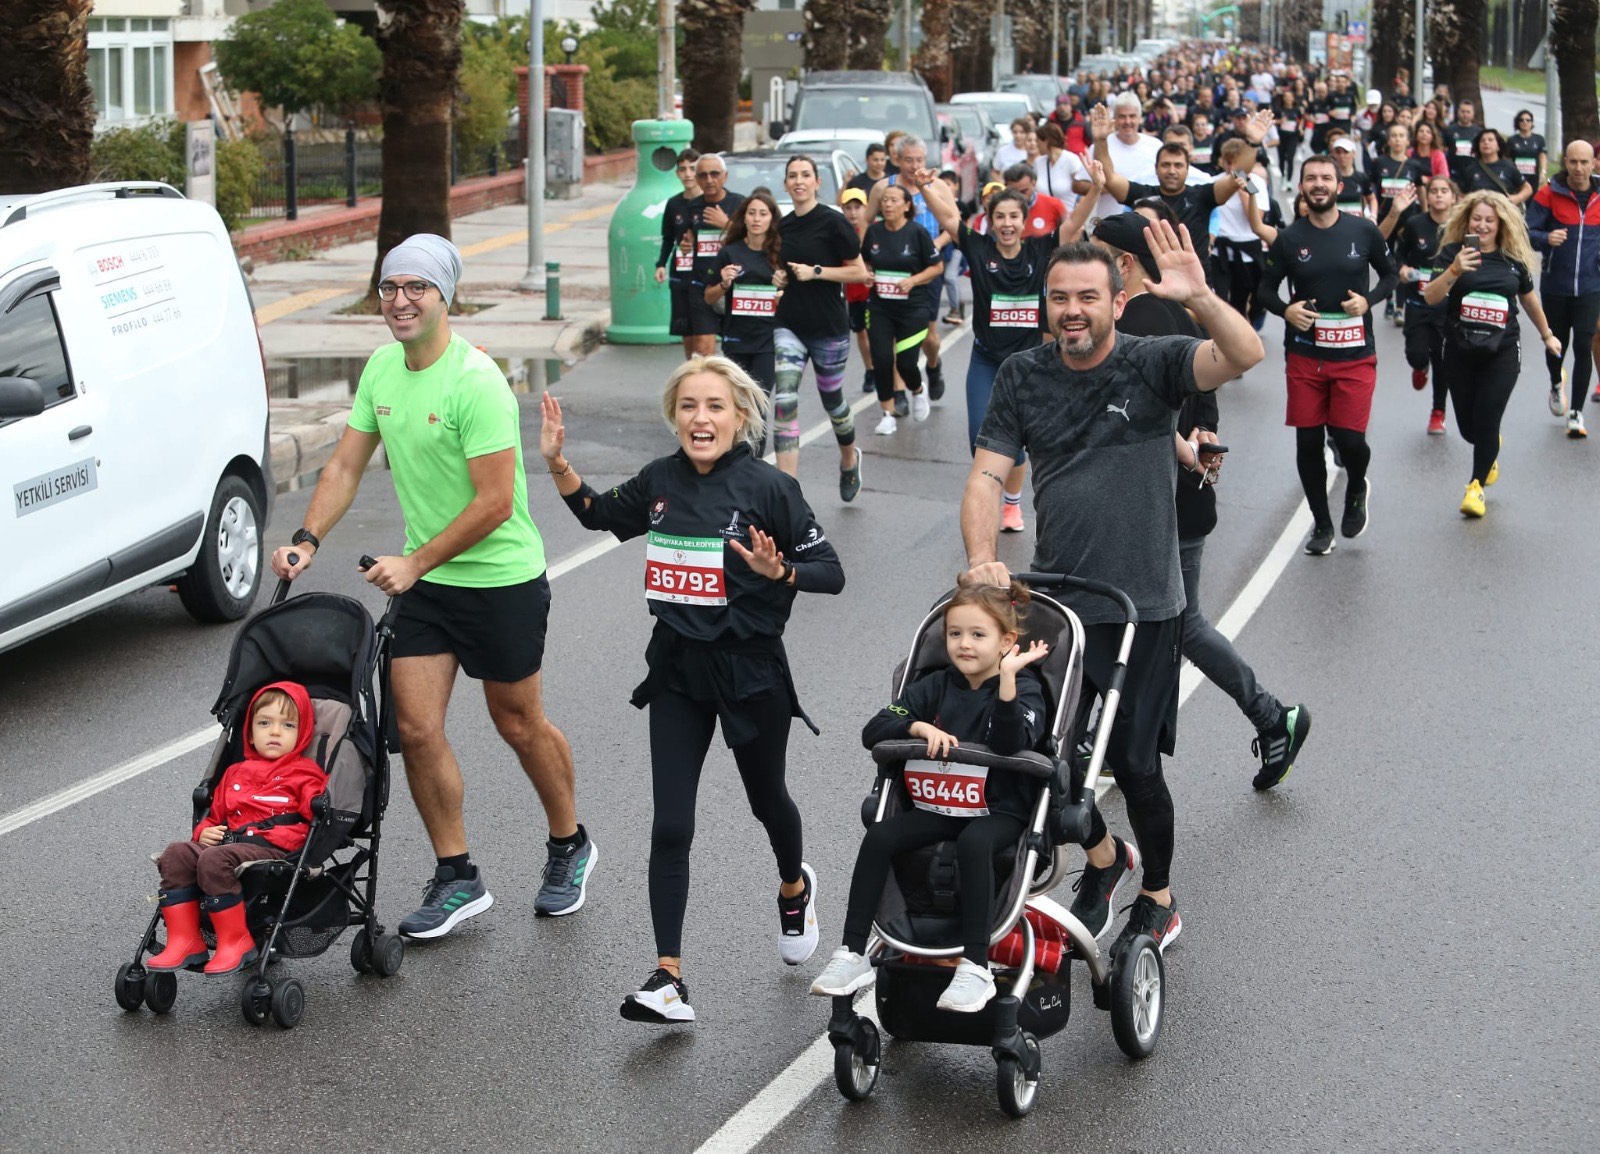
473,575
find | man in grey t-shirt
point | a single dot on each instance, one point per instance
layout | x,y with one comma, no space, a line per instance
1096,412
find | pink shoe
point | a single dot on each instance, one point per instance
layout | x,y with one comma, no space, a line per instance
1011,519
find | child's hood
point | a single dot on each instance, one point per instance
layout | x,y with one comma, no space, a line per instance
306,725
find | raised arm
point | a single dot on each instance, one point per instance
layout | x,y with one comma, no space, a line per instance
942,203
1100,129
1082,212
1235,346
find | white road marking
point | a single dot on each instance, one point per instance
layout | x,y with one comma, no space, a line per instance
104,780
155,758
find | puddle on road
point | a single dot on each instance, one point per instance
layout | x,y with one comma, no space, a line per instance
333,380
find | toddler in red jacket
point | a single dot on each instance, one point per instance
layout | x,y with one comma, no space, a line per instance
261,810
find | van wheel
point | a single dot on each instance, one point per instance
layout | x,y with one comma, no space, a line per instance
222,583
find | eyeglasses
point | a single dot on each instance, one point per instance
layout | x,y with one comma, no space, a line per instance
711,176
415,290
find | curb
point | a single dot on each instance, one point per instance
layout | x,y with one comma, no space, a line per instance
582,337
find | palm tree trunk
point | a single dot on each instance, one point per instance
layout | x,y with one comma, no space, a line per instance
47,108
969,44
1573,29
421,42
869,29
713,32
933,54
1455,42
1389,40
1300,18
827,35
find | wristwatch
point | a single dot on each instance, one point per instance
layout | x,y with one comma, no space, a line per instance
303,535
788,572
817,269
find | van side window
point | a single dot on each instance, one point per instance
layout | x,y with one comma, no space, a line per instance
30,346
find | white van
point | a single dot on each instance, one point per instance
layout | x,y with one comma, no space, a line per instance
134,447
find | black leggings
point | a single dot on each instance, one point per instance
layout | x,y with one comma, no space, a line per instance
1425,349
762,368
977,840
1480,388
1313,466
1288,145
680,734
895,336
1574,320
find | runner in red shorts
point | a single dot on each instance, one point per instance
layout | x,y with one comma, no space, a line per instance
1328,258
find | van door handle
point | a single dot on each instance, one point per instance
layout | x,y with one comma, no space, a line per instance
80,432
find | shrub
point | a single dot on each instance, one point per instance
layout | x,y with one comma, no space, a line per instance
238,170
152,151
486,91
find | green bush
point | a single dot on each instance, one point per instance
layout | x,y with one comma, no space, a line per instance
238,170
611,107
486,92
153,151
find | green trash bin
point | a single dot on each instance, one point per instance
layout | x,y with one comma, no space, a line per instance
641,309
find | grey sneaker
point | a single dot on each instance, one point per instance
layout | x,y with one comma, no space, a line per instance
446,902
566,877
845,973
850,479
969,991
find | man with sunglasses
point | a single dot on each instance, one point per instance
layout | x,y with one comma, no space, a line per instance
709,214
471,581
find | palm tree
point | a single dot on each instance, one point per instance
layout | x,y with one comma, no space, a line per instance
1572,29
712,32
421,42
1455,39
1390,37
47,107
869,25
827,35
933,54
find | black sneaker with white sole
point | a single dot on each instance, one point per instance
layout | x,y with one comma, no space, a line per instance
1097,887
1147,916
1278,745
1321,541
663,999
1354,522
446,902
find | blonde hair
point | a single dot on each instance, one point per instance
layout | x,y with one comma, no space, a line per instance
749,398
1513,233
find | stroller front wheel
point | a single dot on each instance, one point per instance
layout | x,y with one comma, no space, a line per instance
1138,996
288,1003
855,1066
255,1001
160,992
130,987
388,952
1013,1083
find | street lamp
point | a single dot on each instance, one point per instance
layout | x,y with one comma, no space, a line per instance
569,45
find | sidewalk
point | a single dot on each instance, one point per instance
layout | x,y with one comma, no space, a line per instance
298,306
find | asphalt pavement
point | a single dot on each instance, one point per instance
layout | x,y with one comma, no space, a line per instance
1390,949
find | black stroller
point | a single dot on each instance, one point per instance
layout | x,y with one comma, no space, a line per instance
1033,938
297,907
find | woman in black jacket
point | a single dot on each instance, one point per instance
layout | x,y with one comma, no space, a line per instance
730,542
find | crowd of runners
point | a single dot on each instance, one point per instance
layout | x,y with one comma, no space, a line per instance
1119,268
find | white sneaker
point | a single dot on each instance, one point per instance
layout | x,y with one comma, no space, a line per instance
662,998
797,921
1558,396
886,425
845,973
1575,429
920,406
969,990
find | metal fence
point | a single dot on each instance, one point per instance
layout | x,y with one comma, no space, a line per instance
296,173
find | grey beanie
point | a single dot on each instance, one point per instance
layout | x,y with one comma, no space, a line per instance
429,256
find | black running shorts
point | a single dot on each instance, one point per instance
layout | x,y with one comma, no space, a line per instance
704,321
497,634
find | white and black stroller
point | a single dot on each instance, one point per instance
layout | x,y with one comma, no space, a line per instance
297,907
1034,938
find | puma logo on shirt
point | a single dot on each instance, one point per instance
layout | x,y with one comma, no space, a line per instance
1121,409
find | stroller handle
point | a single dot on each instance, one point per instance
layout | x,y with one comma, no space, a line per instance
1068,581
385,623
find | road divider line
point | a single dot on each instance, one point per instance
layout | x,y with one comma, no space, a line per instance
100,782
155,758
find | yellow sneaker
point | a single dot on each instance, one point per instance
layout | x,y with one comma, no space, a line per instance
1472,503
1494,469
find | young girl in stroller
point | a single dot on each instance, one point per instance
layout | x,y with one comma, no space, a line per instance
261,810
986,695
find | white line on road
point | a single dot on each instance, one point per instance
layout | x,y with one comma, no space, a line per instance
145,762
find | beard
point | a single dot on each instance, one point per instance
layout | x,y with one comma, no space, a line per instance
1321,204
1082,344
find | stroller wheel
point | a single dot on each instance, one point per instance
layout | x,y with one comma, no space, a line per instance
160,991
1016,1089
1138,996
130,987
288,1003
361,952
255,1001
855,1067
388,951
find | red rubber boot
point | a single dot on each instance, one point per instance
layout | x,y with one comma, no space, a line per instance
180,910
236,948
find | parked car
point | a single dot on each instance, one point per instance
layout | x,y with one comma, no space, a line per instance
976,126
1107,64
133,407
763,168
817,140
1002,107
884,101
1043,89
